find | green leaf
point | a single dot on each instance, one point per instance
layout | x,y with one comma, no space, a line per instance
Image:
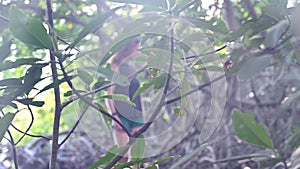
155,81
32,76
5,122
214,68
151,167
53,85
253,67
13,105
110,154
92,26
28,30
11,82
251,28
108,120
5,50
85,76
5,100
163,159
68,93
29,101
293,140
143,2
157,58
37,103
119,45
276,32
249,131
100,82
178,112
19,62
154,165
114,77
155,24
138,148
118,97
128,164
254,42
218,26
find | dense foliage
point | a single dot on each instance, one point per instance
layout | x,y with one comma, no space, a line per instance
226,69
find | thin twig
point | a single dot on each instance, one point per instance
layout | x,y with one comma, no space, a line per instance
100,88
58,109
194,90
31,135
73,128
89,102
28,128
205,54
4,19
13,145
165,89
189,156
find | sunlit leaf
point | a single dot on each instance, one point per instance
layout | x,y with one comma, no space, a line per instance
154,165
85,76
253,67
92,26
163,159
28,30
138,148
249,131
5,50
5,122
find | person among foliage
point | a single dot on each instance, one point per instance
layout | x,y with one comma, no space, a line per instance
128,114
